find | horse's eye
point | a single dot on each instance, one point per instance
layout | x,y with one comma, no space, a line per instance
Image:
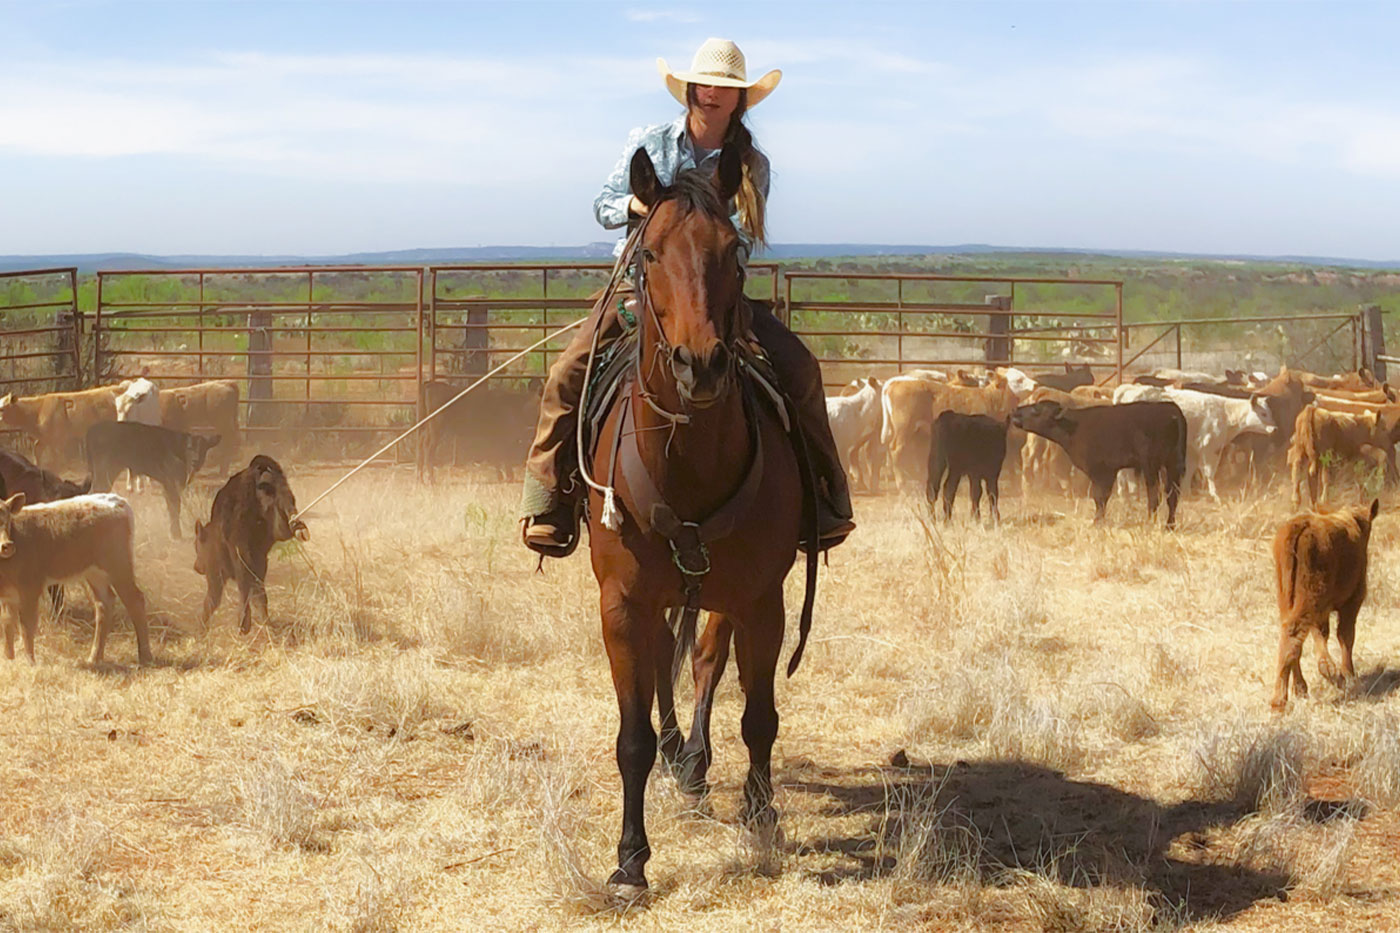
648,255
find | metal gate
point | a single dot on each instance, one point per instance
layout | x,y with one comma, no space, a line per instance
41,338
480,314
327,357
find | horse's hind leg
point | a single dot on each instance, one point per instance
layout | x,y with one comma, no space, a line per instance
663,653
629,630
757,644
708,659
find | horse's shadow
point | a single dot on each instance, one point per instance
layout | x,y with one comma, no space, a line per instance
997,817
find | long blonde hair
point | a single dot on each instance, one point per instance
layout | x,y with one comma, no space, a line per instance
753,208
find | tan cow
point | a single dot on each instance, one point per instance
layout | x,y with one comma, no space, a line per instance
1354,382
909,407
212,406
1320,567
58,421
1379,396
1318,432
86,537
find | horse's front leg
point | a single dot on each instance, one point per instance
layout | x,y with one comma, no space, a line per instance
757,643
710,656
630,630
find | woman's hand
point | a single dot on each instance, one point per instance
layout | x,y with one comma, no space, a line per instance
636,207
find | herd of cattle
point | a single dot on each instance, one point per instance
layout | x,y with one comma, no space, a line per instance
928,429
54,530
1168,429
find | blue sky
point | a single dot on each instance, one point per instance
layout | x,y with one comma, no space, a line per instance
320,128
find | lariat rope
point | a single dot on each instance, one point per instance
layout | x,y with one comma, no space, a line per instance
613,280
611,517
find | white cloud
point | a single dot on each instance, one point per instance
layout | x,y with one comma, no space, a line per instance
371,117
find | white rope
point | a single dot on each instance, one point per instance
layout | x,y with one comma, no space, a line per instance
611,516
439,410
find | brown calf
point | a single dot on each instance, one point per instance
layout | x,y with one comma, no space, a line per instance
253,511
1318,432
87,537
1044,464
38,485
1320,566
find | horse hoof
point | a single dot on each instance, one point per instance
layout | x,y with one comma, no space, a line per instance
762,819
689,779
692,786
767,836
627,887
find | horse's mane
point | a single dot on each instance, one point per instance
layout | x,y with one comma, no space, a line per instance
695,190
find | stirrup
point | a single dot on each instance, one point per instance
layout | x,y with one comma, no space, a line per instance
553,534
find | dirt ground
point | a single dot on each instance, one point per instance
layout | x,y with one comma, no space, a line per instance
1041,726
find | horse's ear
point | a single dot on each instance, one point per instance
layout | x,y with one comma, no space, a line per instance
731,171
644,182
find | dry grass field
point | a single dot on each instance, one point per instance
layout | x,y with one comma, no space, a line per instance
1044,726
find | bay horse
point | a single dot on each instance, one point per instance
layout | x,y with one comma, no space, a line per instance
711,501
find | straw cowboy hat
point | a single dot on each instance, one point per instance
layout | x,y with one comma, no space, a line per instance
718,63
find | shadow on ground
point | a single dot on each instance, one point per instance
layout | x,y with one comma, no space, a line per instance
1376,684
1079,833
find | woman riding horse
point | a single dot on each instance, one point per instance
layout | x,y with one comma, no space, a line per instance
716,94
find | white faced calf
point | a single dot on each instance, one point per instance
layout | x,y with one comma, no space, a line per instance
87,537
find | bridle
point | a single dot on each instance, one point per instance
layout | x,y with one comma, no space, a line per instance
663,347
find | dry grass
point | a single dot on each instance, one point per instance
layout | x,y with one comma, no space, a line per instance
422,738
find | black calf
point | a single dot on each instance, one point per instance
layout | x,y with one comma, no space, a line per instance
966,445
168,457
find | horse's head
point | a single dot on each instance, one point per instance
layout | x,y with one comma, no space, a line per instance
689,277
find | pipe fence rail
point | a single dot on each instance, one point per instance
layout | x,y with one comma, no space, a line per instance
342,354
1258,342
882,323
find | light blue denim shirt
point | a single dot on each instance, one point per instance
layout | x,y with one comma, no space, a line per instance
671,151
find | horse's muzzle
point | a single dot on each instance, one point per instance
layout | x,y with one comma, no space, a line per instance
702,382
